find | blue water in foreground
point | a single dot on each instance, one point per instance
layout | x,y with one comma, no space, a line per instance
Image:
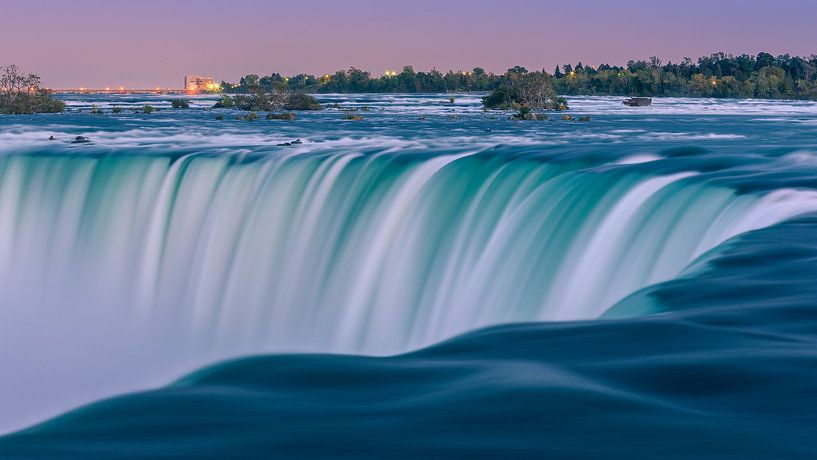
430,282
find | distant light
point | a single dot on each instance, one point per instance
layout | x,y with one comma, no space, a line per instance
107,88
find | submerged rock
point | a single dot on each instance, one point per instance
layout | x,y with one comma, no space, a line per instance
80,140
585,118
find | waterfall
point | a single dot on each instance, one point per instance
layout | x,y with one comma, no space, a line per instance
142,266
346,252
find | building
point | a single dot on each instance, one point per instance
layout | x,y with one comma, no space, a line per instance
197,83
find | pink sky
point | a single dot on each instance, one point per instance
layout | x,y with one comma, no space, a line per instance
96,43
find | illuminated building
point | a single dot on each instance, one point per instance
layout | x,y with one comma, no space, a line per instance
197,83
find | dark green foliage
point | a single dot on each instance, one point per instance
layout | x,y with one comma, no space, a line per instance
226,102
180,103
116,109
148,109
301,101
502,97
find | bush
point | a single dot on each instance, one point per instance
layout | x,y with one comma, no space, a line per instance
252,116
180,103
301,101
226,102
281,116
148,109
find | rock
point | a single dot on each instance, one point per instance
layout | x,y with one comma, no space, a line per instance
584,118
567,118
50,138
287,144
80,140
219,117
353,117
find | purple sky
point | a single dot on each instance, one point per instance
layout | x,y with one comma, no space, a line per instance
98,43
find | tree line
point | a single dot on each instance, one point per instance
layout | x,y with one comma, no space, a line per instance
719,75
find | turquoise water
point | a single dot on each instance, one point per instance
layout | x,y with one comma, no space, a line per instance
646,279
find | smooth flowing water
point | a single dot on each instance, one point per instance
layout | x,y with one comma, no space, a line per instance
174,240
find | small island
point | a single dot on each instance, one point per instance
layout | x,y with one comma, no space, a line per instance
21,93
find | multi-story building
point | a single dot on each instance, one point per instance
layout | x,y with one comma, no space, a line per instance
197,83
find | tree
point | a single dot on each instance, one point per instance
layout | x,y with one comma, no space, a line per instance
20,93
531,91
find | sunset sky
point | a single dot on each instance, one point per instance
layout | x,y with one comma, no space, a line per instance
96,43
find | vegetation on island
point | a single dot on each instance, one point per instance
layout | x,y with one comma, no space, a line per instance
21,93
180,103
525,91
719,75
268,99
